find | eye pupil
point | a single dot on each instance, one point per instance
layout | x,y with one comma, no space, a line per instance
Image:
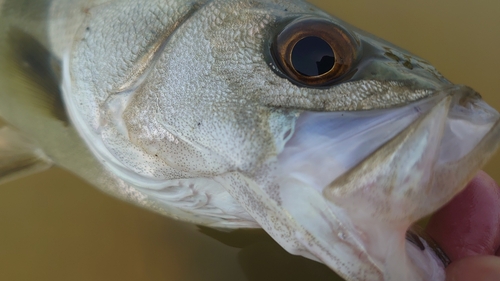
312,56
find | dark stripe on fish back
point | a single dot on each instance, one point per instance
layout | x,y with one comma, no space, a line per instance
28,15
39,69
27,65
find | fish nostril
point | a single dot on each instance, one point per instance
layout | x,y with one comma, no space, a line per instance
408,64
392,56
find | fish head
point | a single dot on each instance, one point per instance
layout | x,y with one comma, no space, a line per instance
331,139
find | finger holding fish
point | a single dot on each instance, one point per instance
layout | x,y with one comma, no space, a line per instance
467,228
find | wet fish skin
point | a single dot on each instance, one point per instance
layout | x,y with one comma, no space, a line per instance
179,107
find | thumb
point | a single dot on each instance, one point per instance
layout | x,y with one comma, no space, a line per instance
477,268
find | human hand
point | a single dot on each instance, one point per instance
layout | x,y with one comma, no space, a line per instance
468,231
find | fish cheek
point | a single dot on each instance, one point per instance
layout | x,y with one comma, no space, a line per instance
166,145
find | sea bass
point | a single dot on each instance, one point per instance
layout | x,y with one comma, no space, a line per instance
244,114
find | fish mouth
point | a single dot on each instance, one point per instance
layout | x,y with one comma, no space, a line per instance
356,181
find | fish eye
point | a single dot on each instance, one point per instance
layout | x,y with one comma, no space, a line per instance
314,52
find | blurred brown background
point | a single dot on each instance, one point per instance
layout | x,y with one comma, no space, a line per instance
55,227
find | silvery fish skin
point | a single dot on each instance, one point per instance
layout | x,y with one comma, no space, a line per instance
186,108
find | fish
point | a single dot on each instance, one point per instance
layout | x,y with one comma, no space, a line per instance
219,114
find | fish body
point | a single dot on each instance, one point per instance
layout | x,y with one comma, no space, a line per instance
201,110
